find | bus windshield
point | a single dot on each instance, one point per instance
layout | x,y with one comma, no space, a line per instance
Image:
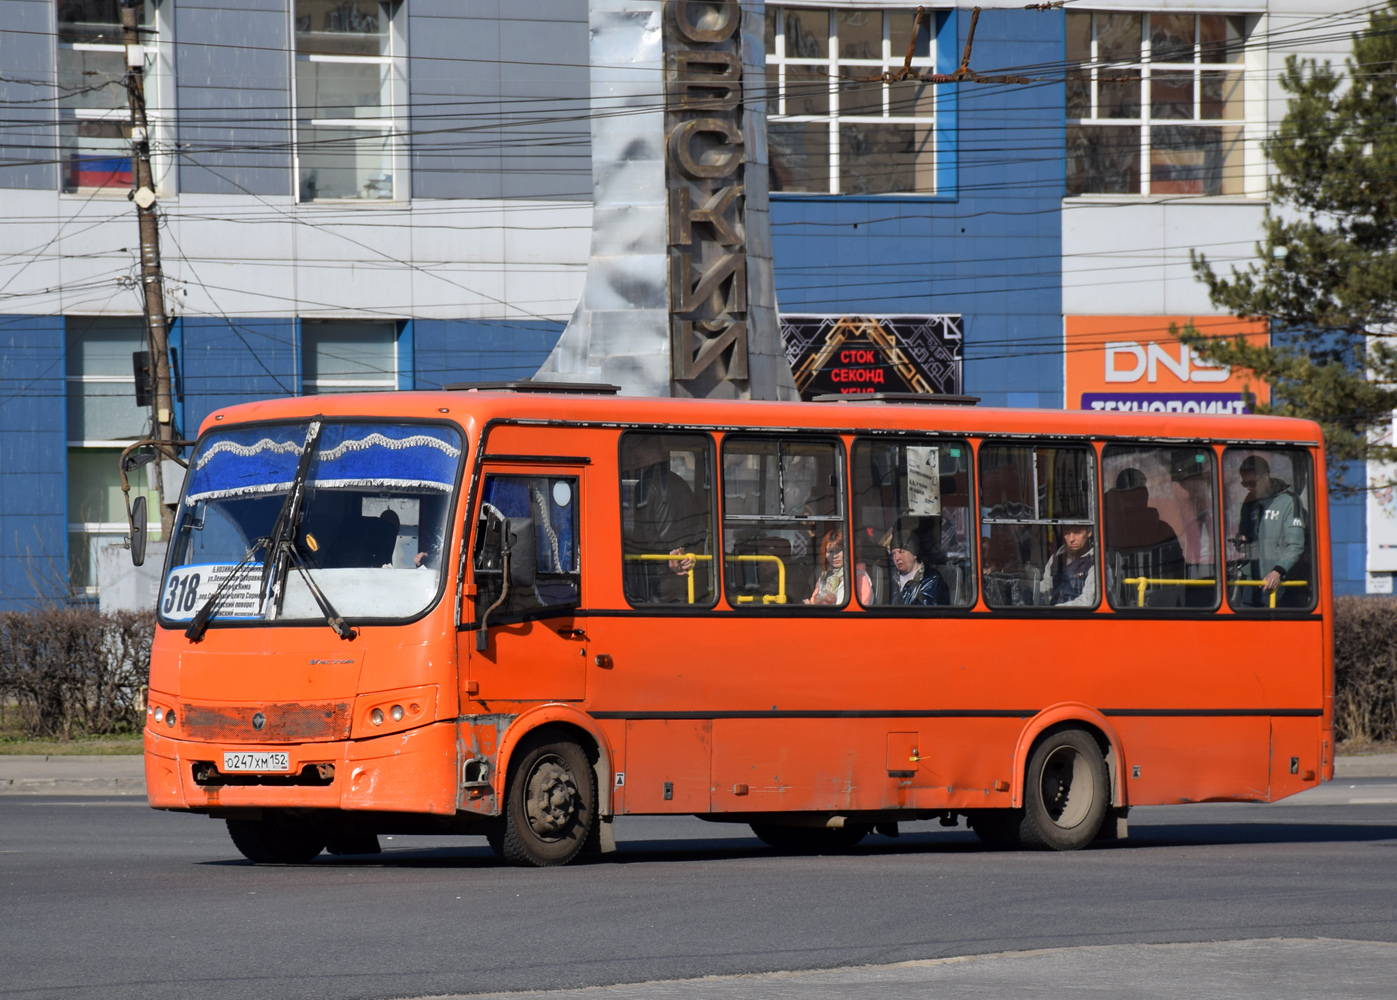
370,532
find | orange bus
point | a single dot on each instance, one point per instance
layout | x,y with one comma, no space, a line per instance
521,611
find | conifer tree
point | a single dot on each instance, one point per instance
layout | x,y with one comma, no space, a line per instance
1326,270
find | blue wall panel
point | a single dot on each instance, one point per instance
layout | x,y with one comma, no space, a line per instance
456,350
33,461
228,361
989,249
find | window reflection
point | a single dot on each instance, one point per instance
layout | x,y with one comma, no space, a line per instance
1159,527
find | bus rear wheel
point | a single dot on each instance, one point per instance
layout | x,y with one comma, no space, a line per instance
811,839
550,806
274,841
1067,792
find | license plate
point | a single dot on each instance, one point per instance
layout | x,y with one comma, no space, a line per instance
274,761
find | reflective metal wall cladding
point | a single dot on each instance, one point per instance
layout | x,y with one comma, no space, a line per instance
680,298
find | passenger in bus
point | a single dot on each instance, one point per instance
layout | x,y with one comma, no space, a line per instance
916,583
1270,534
830,586
1189,470
668,520
1141,545
1069,579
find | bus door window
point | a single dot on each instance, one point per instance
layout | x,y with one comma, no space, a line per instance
667,526
782,508
1268,528
1038,525
543,509
913,496
1159,526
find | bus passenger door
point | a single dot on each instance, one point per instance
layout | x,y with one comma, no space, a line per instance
526,571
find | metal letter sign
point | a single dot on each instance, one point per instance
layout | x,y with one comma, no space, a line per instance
680,299
707,234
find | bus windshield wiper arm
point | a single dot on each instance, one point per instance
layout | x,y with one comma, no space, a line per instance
332,617
287,519
279,553
200,624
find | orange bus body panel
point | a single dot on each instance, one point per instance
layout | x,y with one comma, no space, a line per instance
735,710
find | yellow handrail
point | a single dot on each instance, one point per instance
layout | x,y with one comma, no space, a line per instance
671,557
1262,583
777,598
1141,582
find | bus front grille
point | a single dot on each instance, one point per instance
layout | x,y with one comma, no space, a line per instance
288,722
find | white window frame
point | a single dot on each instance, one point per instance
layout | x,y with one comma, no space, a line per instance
388,382
893,58
390,124
157,77
1248,124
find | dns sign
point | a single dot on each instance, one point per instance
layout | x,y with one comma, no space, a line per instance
704,152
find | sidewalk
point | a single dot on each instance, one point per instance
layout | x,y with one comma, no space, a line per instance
35,775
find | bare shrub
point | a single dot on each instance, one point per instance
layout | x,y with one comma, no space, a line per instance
74,672
1365,669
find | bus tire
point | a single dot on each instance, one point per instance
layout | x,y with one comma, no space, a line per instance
998,829
811,839
272,841
550,805
1067,792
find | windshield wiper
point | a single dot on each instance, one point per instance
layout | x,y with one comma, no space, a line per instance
200,624
332,617
281,553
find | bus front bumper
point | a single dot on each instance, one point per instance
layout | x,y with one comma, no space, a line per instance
413,771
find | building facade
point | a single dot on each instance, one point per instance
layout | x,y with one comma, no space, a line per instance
359,195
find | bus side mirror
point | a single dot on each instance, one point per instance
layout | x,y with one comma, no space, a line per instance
138,531
519,540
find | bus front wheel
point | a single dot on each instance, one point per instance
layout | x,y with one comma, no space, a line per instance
550,806
273,841
1067,792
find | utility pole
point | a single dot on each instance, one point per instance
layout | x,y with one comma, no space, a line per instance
152,277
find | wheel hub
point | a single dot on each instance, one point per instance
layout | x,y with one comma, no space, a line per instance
552,801
1067,787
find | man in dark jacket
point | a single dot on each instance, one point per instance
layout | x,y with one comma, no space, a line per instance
916,582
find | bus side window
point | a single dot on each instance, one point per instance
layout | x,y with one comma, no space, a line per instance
548,505
1038,526
913,495
783,522
667,507
1268,528
1160,527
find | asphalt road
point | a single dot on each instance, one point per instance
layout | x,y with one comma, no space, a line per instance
104,898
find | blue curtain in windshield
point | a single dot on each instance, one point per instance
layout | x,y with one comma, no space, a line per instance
248,461
387,456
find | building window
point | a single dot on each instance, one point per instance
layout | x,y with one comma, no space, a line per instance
348,356
102,419
835,128
1155,103
344,99
94,112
